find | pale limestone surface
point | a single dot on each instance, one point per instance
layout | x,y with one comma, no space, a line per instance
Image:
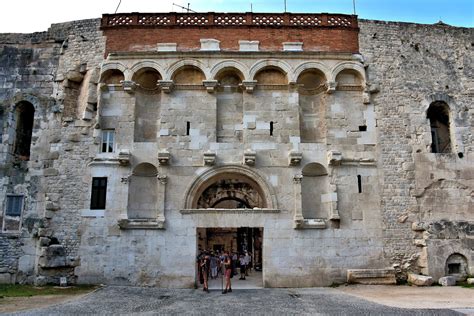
365,121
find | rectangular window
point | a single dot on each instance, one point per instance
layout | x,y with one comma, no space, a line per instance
98,195
108,141
14,205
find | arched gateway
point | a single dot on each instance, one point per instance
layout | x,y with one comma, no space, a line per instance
230,187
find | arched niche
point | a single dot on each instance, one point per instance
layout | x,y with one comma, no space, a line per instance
271,75
314,185
112,76
457,266
229,76
188,75
147,78
240,185
311,81
349,78
438,115
143,193
229,106
24,114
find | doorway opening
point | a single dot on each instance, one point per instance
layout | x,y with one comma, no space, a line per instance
237,241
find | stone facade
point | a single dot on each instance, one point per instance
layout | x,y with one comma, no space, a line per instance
325,145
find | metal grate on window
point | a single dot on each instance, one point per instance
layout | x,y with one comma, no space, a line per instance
14,205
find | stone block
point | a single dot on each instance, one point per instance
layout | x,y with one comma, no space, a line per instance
248,46
210,44
447,281
293,46
167,47
52,257
371,276
5,278
50,172
419,280
470,281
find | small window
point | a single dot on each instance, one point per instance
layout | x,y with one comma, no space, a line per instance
108,141
14,205
454,268
99,192
359,183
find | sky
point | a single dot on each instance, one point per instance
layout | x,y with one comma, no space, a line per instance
25,16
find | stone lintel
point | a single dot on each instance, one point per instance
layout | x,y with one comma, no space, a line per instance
141,223
371,276
228,211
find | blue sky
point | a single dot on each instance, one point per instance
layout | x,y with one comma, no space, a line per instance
38,15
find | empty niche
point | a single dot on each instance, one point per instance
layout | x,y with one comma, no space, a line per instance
188,75
311,85
147,105
438,114
348,101
112,76
313,185
271,76
142,192
24,119
229,101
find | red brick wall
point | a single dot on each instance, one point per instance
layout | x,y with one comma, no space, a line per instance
126,39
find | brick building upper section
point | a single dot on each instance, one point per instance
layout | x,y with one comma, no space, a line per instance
127,32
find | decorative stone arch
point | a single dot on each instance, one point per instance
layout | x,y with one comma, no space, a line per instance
146,64
229,64
283,66
28,97
210,176
348,66
183,63
116,66
308,66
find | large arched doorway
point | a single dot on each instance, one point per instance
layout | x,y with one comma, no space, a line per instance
228,191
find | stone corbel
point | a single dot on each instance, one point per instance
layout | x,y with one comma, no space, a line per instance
162,178
209,158
250,157
166,85
128,86
249,85
124,157
334,157
294,158
125,180
164,157
331,87
210,85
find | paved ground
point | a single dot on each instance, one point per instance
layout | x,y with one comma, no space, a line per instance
149,301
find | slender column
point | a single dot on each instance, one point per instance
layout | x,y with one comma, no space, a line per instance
162,179
298,216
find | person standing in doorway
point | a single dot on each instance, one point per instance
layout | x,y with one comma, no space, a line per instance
243,265
227,273
205,267
214,265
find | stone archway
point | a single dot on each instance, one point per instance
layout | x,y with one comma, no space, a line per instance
230,187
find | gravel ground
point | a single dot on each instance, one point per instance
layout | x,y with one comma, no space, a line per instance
150,301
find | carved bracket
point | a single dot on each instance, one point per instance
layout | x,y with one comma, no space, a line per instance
331,87
124,157
128,86
162,178
210,85
334,157
249,85
209,158
164,157
166,85
294,158
250,157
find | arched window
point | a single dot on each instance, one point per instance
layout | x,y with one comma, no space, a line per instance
142,192
271,76
112,76
188,75
438,114
24,117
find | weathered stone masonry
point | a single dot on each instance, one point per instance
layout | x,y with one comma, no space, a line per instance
270,110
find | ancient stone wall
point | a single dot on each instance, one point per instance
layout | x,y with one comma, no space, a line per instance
414,65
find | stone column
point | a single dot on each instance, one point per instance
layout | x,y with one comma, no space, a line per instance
298,216
162,179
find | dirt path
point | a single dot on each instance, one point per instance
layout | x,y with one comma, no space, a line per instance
414,297
15,304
